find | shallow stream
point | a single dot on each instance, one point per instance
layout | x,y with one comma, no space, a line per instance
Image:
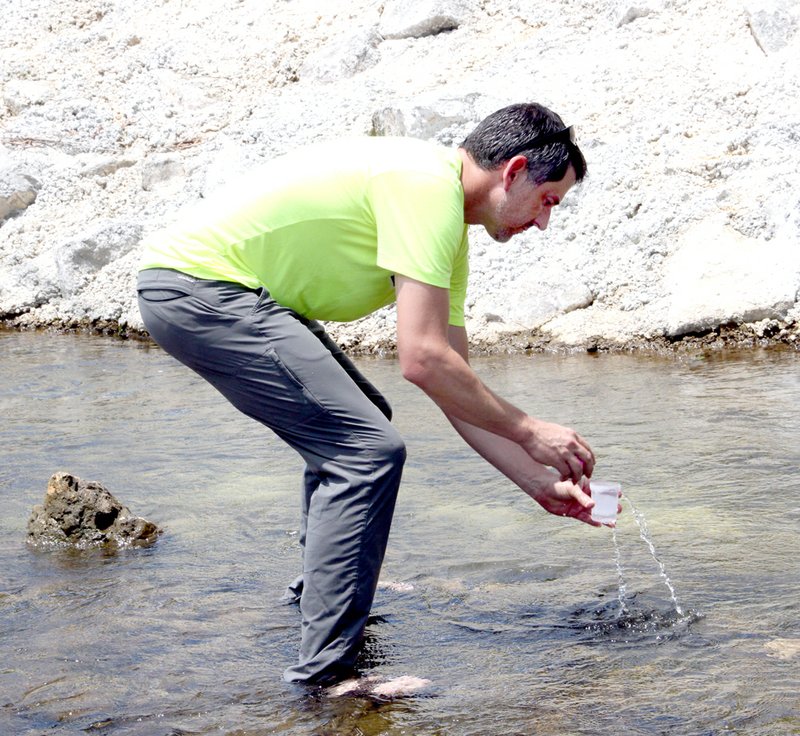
526,623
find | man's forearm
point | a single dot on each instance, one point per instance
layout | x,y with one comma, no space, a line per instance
459,392
558,497
504,454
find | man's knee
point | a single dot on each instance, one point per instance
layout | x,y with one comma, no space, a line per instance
391,451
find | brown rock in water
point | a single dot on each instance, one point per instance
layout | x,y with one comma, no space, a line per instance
85,514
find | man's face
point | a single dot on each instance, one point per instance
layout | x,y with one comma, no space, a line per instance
518,204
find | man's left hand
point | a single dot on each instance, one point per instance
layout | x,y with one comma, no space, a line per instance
565,498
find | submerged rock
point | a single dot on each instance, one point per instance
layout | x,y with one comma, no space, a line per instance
783,648
85,514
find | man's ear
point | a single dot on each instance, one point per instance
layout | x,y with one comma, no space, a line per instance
512,169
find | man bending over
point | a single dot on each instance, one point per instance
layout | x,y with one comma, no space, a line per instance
334,232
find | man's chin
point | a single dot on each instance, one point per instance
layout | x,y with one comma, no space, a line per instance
502,236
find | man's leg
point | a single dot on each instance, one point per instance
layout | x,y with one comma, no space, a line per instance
310,478
267,362
310,484
372,393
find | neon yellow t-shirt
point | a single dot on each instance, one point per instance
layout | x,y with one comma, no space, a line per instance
324,229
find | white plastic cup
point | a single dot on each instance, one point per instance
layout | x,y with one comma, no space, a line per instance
605,494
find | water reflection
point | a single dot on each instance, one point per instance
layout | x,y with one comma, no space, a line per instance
516,616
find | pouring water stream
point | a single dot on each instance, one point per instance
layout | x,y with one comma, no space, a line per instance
644,534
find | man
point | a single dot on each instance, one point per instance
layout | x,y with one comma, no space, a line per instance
332,233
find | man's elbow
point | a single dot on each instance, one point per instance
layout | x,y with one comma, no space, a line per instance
417,373
421,367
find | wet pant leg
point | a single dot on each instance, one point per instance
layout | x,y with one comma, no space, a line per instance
277,368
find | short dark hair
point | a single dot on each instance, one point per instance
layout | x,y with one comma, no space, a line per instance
506,132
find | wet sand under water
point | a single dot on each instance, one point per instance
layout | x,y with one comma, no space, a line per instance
515,616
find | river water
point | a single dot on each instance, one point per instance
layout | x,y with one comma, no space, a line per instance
526,623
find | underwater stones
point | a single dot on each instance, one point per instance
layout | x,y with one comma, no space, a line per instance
783,648
85,514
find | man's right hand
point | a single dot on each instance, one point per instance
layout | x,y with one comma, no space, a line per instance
561,448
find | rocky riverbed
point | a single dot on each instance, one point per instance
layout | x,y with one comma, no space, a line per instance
114,115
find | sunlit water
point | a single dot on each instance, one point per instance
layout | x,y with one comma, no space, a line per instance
526,623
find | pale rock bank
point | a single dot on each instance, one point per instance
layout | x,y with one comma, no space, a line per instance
114,114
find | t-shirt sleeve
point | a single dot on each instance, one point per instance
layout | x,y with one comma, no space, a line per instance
458,282
419,219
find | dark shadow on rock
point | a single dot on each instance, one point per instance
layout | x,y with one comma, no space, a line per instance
85,514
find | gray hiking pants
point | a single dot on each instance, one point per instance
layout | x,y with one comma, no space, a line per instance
285,372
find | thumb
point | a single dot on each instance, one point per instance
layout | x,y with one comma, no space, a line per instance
580,493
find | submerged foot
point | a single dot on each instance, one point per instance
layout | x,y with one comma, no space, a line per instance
400,686
395,586
378,687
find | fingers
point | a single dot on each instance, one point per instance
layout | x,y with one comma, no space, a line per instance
579,463
584,512
585,515
581,503
564,449
566,498
586,456
574,469
578,492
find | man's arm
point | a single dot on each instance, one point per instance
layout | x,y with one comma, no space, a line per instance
430,361
559,497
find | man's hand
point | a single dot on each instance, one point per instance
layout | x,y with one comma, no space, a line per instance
561,448
557,496
564,498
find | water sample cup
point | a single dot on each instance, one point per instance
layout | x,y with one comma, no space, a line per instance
605,494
